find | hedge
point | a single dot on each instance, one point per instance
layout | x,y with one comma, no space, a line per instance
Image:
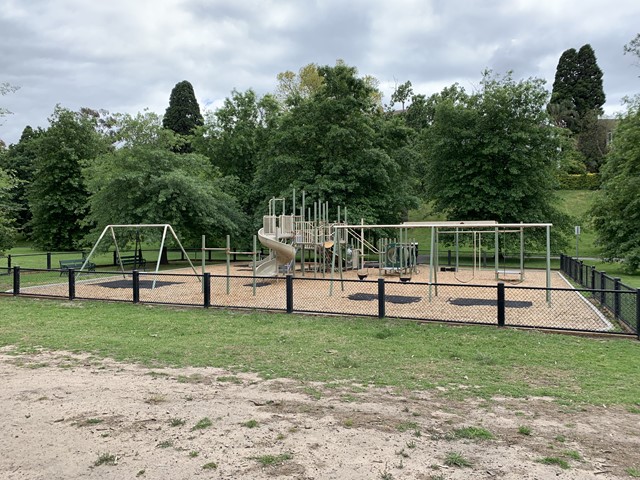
588,181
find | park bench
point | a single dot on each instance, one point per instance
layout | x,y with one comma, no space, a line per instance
136,260
76,264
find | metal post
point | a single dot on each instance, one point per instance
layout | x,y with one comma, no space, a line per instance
603,296
616,299
255,248
289,285
228,264
136,286
381,298
638,313
431,251
501,304
593,277
16,280
206,285
549,265
48,260
72,284
496,255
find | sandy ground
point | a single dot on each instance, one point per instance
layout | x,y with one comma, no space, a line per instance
62,413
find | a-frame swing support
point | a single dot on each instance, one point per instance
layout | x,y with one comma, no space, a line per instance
166,228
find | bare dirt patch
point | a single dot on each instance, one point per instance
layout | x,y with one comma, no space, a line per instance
76,416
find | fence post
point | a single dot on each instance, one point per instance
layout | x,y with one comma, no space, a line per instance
16,280
448,258
72,283
48,260
501,305
616,298
593,277
381,298
289,293
638,313
136,286
115,258
207,289
8,263
581,275
562,262
603,296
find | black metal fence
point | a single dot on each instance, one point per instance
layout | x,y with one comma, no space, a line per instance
583,309
613,295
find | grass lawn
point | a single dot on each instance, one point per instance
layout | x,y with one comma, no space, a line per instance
466,361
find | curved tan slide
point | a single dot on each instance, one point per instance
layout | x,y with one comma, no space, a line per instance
283,254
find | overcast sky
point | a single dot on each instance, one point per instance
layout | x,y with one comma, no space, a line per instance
126,55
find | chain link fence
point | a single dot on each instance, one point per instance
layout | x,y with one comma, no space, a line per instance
613,297
605,310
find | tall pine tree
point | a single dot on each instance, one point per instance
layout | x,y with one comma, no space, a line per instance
588,91
183,113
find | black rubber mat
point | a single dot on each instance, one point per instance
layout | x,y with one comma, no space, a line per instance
486,302
389,298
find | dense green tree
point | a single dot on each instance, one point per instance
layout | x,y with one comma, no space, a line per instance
616,213
150,184
577,88
236,136
493,155
19,160
577,100
146,181
57,195
183,113
334,145
588,90
7,229
562,104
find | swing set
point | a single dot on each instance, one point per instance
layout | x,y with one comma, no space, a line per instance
136,260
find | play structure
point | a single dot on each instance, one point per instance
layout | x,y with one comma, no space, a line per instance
308,242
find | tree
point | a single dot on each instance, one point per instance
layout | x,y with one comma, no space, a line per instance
57,195
7,230
19,160
616,213
577,100
6,88
150,184
334,145
235,138
292,87
492,155
563,93
402,93
588,90
633,47
183,113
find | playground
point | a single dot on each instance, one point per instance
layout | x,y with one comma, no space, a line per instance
335,267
